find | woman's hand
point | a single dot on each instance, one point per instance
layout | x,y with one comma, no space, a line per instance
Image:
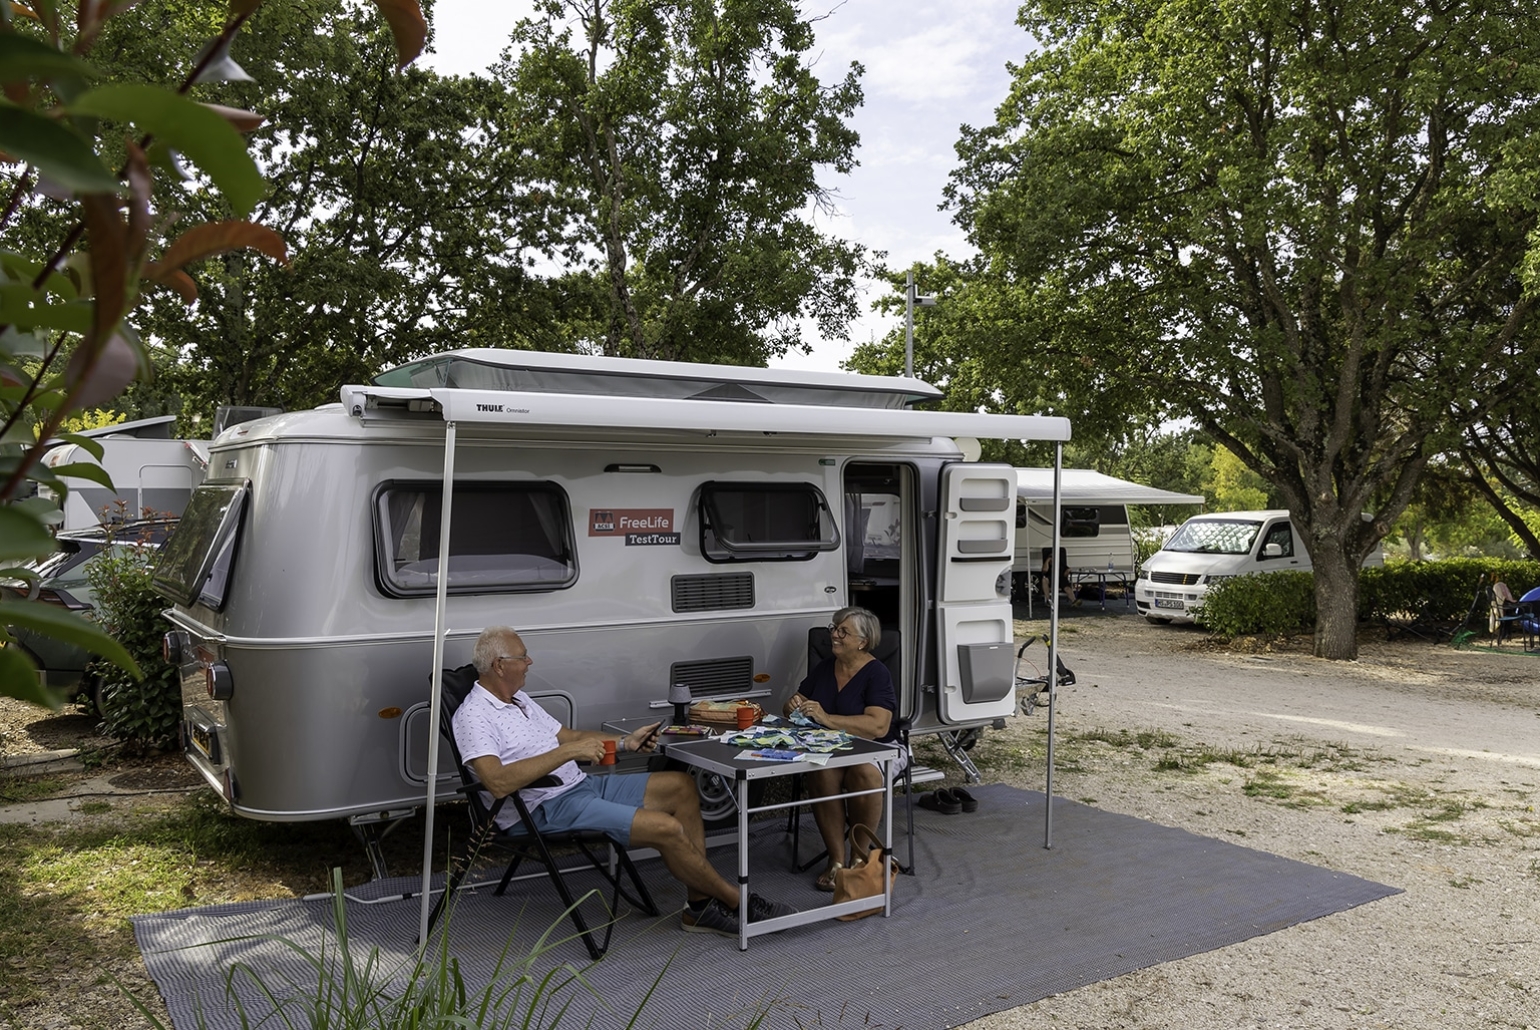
813,710
793,703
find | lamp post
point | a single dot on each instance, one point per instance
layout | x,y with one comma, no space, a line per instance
910,300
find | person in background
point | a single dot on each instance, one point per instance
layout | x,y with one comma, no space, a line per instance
1070,594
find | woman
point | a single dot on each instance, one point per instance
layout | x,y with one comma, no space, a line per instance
1046,580
851,691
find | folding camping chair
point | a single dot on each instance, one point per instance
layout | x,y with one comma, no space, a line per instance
524,841
820,645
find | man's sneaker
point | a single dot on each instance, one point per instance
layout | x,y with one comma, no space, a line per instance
761,909
714,918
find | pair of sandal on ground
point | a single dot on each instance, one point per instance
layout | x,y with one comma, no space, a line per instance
949,801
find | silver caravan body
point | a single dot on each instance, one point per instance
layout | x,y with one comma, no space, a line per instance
152,473
640,523
1093,520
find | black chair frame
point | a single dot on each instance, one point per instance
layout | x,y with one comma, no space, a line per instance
525,841
889,652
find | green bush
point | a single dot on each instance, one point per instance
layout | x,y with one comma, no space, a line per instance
1283,603
1274,604
144,712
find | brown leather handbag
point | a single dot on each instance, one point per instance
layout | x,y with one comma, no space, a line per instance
863,878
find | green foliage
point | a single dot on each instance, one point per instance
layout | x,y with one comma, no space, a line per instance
674,148
1304,230
143,711
86,240
1281,604
1277,604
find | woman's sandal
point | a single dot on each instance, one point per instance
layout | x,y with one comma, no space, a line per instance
825,882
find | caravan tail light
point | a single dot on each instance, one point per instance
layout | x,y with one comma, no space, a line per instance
171,648
218,681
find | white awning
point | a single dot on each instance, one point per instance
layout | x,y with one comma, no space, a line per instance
1084,486
515,409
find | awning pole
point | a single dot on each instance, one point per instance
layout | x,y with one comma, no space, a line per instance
1053,639
435,701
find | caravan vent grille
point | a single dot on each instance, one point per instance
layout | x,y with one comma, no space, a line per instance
715,677
713,593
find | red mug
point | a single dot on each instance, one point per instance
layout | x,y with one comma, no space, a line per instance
609,753
745,717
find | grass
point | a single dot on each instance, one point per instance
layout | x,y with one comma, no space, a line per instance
15,790
66,892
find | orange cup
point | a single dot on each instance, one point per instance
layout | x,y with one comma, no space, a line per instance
745,717
609,753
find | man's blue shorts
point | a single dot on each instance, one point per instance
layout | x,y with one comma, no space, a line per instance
603,803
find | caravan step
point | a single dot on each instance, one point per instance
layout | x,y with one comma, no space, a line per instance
925,774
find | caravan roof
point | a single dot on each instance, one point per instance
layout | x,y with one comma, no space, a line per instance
1085,486
521,389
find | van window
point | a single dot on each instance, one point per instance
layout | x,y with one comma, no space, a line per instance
1283,537
196,561
504,538
764,522
1215,536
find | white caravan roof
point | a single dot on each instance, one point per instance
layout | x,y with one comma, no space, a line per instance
562,390
1084,486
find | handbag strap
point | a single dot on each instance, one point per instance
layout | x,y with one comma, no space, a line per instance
873,843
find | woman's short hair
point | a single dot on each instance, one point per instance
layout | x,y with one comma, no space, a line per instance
867,625
490,646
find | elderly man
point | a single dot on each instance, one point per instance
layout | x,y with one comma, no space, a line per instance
510,741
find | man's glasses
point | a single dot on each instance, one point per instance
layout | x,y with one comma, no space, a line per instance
525,658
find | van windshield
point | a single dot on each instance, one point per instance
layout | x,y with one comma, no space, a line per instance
1215,536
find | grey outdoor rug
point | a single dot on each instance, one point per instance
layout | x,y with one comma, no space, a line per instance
991,921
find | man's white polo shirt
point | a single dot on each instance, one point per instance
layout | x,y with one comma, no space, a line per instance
485,725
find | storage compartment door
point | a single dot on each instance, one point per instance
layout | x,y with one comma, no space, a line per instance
973,610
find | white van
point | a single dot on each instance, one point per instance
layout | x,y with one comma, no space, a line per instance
642,523
1207,548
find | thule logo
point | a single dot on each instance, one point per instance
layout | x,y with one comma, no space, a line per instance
489,407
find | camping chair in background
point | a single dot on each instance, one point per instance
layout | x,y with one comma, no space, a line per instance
1506,611
889,651
524,841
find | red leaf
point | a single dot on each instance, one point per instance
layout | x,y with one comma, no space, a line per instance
174,279
100,377
109,261
204,241
408,26
244,121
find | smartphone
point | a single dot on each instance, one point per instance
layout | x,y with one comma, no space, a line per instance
652,738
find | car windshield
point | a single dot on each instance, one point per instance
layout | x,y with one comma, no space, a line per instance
1215,536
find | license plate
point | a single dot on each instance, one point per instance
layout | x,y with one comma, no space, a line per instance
1161,602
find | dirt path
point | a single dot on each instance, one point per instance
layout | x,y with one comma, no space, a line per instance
1417,766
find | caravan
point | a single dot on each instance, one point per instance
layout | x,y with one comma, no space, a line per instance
1093,522
152,474
641,523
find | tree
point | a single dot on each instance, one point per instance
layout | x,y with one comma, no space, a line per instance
674,147
1302,225
66,340
1501,452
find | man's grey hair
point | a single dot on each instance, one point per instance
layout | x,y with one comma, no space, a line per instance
491,645
867,626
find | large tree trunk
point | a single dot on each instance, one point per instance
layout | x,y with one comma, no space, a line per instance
1336,601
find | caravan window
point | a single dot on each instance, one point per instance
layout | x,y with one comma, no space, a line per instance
1080,522
764,522
195,563
504,537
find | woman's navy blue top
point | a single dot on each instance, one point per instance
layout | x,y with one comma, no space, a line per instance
870,687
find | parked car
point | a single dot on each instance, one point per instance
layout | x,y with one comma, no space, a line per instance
62,581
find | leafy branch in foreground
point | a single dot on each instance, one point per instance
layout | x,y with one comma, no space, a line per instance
66,343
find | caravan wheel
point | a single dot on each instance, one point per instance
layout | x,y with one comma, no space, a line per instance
718,804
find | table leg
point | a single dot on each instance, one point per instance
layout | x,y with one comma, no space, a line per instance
741,784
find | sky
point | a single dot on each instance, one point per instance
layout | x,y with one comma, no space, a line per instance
930,68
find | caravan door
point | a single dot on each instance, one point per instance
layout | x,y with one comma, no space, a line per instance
973,603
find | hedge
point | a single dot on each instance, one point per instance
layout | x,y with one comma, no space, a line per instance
1283,603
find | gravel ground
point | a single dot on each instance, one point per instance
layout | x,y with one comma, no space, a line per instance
1417,766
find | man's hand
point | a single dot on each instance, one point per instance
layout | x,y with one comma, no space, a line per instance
644,739
586,749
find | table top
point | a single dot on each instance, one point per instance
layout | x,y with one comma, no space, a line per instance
715,756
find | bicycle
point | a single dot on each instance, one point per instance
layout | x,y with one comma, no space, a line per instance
1039,682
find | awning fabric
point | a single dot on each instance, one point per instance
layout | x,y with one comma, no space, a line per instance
1083,486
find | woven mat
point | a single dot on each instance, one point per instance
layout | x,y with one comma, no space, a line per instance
992,921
